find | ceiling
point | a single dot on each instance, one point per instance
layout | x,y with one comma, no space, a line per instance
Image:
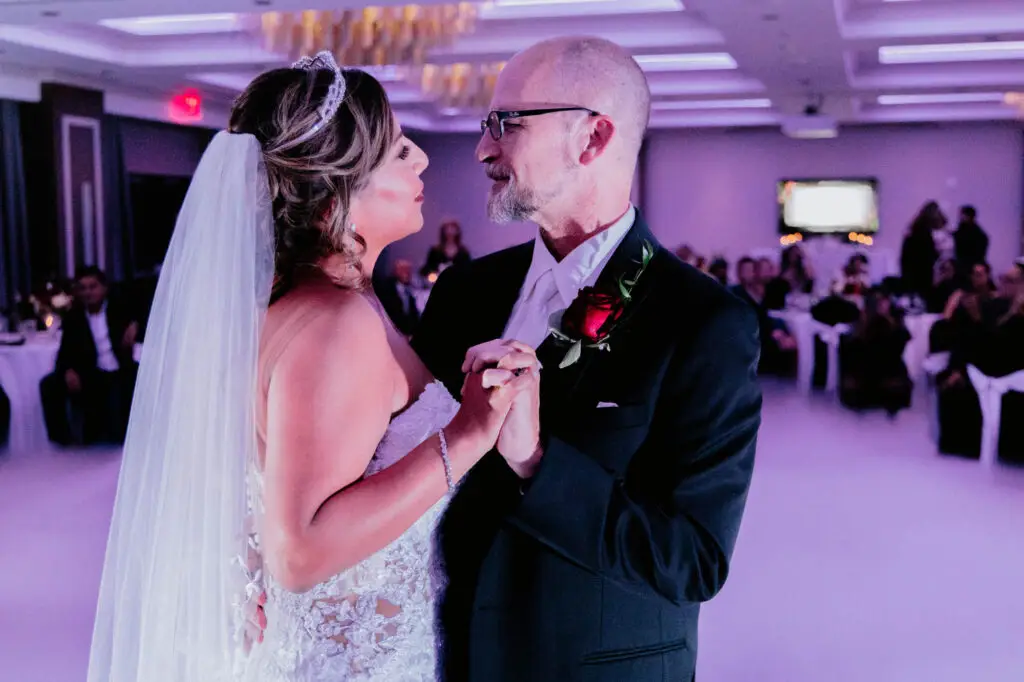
716,63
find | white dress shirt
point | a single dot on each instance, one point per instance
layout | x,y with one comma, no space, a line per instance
105,358
551,286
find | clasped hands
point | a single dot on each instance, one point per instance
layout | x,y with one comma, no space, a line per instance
500,361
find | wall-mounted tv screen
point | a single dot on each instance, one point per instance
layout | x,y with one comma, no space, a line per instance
828,206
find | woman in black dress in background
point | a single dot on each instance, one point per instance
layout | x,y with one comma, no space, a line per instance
448,252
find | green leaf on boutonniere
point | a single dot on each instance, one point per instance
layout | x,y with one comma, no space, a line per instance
559,335
648,253
624,290
575,351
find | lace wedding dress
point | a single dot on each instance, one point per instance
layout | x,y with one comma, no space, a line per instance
375,621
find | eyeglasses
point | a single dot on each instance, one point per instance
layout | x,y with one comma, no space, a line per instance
495,121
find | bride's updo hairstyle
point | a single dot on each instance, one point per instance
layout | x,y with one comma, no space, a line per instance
312,181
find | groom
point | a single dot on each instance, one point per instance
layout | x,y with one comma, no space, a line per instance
583,548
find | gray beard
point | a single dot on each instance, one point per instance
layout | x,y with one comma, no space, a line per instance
511,204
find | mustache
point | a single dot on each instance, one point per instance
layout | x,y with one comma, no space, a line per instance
498,173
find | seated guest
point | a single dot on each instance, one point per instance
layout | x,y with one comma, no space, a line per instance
775,289
1009,353
872,371
945,286
447,252
396,295
796,277
5,417
778,347
686,254
719,269
95,373
975,328
979,291
855,280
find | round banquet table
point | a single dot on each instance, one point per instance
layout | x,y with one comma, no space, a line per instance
21,369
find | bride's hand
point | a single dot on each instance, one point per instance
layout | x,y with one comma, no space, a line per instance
502,354
486,399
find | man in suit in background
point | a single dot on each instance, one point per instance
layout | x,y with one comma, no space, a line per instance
582,548
971,244
396,295
95,372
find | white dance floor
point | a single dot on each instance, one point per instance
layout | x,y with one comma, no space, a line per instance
864,557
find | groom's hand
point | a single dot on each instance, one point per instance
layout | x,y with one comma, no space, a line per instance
519,439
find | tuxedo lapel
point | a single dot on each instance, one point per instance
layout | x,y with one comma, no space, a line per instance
576,383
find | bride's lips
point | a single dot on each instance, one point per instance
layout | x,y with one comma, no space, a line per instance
419,197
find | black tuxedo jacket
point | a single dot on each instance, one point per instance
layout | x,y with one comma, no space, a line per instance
595,570
77,346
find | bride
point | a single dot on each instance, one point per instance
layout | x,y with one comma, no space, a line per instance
284,438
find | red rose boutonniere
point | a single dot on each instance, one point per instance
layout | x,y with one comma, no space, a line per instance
595,315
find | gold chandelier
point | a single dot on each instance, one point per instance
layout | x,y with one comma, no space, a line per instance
460,86
372,36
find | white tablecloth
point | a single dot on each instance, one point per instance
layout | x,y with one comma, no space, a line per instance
21,370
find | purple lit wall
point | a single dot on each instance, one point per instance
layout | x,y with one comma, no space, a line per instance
715,189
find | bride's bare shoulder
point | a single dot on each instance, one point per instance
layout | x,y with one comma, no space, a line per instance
316,322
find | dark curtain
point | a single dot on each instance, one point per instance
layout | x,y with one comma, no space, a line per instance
117,199
15,273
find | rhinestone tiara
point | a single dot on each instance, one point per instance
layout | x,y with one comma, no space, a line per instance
335,94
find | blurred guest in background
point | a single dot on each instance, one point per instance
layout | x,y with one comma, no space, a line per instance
778,347
797,272
919,253
447,252
944,287
971,243
980,289
986,331
95,372
396,294
775,289
686,254
873,373
719,269
855,279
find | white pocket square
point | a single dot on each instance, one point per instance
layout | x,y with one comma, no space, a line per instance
601,405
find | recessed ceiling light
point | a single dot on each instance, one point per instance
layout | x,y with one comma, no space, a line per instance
941,98
176,24
521,9
951,52
696,105
713,61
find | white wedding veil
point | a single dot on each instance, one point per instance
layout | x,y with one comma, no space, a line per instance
171,575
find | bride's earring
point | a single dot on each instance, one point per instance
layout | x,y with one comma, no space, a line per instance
353,228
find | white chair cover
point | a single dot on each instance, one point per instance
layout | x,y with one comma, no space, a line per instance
830,336
932,366
990,394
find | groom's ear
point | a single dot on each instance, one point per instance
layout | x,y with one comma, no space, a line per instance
602,130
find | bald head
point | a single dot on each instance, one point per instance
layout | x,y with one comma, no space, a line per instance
584,71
